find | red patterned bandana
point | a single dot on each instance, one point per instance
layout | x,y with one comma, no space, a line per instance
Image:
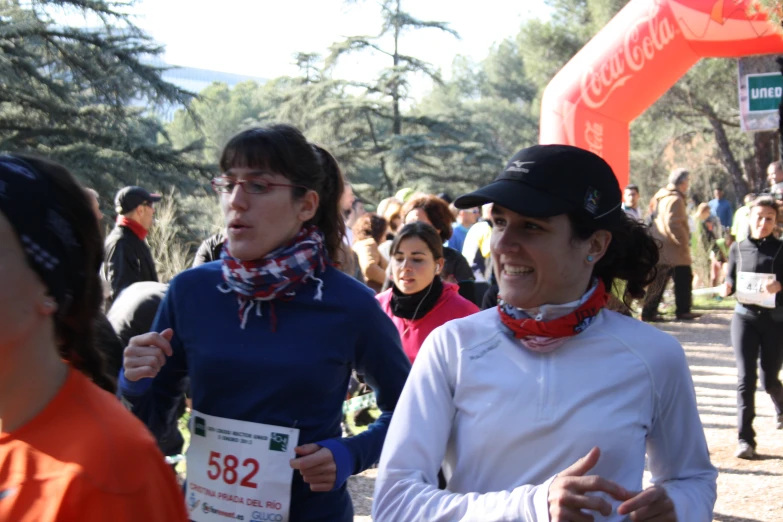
566,326
277,275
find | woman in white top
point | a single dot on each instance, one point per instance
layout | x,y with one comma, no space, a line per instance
544,408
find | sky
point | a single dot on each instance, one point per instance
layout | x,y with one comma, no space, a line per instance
259,37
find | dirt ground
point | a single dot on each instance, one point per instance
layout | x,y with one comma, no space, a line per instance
748,491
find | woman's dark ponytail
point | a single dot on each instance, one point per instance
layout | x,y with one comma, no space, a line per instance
329,218
631,257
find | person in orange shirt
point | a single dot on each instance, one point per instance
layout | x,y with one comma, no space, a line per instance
69,450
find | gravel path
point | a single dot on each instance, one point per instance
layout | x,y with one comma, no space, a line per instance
748,491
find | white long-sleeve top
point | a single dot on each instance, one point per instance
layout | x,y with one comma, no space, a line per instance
503,421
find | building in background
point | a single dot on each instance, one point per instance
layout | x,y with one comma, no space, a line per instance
196,80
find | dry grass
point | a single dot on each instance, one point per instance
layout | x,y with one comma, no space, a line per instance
171,255
748,491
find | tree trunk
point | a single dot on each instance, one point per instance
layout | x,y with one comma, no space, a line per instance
397,122
727,157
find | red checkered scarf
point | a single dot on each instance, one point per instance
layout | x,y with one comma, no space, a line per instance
279,274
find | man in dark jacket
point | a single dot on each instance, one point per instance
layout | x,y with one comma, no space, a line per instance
210,249
127,257
132,314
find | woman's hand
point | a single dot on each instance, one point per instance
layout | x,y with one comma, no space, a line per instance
146,354
568,492
651,505
317,466
774,287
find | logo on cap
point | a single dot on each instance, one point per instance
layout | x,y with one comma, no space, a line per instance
516,166
592,198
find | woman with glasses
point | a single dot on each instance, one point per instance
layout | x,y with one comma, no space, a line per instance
269,337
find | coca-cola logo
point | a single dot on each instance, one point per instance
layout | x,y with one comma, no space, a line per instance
594,137
642,41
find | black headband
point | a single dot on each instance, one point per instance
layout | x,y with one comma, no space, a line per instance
29,201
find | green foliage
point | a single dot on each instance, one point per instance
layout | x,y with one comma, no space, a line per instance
217,114
390,147
72,94
460,134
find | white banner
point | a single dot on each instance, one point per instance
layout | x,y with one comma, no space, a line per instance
760,87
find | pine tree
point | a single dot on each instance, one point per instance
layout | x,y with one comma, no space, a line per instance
399,147
86,96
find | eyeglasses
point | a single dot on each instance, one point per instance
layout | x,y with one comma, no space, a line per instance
225,185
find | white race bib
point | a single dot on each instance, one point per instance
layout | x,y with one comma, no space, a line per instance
752,289
239,470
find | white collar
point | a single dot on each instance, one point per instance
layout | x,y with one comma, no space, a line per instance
549,312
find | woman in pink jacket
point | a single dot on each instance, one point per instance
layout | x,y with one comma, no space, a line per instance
419,301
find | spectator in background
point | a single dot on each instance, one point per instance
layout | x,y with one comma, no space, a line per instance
434,211
346,209
95,200
476,246
706,239
631,202
465,219
357,210
775,179
418,302
404,194
210,249
721,208
368,232
132,314
445,197
127,257
390,209
670,227
740,224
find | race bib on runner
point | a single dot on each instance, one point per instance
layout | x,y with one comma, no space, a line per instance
752,289
239,470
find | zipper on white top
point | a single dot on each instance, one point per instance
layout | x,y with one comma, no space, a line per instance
545,364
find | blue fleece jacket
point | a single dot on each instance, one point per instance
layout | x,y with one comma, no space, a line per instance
295,376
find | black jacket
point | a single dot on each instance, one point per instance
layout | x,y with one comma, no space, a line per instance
210,249
760,256
132,314
127,260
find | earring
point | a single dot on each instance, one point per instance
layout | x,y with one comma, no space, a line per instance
589,259
49,306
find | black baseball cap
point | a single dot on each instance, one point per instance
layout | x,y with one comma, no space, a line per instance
129,198
549,180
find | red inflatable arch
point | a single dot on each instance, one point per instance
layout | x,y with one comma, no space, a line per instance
640,53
